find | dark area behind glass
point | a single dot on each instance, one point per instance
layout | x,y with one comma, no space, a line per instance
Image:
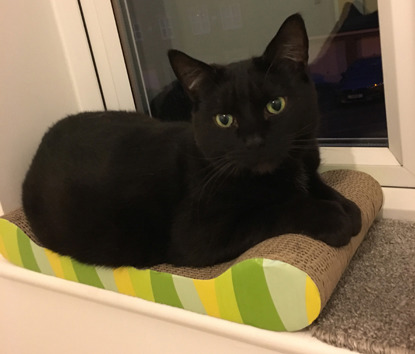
345,55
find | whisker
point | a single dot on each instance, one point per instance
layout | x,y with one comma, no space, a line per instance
220,169
306,129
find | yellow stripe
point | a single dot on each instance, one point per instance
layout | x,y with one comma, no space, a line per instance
2,246
312,300
67,269
123,281
55,263
9,232
141,282
225,293
207,294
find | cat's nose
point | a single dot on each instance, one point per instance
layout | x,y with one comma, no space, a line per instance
254,141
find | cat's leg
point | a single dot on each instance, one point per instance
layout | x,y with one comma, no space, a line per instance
221,236
325,220
205,236
320,190
208,236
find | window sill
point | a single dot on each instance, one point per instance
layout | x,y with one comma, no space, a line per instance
105,321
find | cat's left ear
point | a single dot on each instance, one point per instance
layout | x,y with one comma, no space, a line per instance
190,72
291,42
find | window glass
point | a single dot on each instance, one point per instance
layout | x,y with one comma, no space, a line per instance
345,55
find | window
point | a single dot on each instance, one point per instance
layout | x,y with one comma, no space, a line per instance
138,35
345,54
386,153
165,27
230,14
199,19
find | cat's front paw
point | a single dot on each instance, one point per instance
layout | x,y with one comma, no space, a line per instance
333,224
354,214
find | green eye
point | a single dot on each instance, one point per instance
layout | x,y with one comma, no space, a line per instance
224,120
276,106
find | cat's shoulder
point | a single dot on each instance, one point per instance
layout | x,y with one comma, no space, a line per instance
101,118
98,120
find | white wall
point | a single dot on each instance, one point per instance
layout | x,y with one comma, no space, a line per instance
37,81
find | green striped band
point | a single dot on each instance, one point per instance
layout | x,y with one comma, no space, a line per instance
253,296
261,292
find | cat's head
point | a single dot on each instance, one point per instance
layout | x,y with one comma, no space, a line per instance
253,114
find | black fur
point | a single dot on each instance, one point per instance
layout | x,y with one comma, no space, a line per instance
118,188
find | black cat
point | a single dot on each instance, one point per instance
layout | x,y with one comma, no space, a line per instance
118,188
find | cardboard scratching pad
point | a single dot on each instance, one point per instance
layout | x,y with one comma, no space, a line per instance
281,284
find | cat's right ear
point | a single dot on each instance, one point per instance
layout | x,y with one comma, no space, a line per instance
190,72
290,43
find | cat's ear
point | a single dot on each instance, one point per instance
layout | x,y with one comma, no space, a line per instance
290,42
190,72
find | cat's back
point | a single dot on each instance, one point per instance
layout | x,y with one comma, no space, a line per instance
109,128
97,149
96,136
100,173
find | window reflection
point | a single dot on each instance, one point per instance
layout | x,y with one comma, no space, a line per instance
348,75
345,54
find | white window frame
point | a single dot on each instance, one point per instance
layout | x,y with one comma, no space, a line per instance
393,167
109,58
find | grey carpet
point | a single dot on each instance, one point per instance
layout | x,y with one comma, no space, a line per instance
373,307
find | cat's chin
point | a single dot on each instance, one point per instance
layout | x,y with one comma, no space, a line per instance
264,168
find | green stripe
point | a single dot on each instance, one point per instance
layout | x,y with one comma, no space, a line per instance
252,295
106,275
225,293
11,245
286,284
26,252
164,290
67,268
141,280
41,259
86,274
188,294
